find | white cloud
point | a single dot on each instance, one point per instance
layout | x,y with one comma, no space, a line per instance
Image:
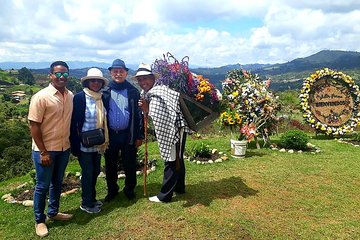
142,30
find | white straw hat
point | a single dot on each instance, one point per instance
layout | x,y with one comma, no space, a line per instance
95,73
143,70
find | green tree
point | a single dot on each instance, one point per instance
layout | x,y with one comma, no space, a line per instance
16,161
74,85
290,98
14,133
26,76
15,149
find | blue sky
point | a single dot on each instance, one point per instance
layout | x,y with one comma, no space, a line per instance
212,33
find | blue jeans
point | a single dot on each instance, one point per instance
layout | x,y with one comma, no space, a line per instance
49,179
90,169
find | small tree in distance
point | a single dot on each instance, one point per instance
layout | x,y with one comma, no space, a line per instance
26,76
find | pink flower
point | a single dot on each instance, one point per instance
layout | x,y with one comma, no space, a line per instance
248,131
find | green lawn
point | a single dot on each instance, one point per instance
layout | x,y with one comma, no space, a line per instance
267,195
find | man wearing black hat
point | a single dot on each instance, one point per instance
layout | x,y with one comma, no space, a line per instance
125,130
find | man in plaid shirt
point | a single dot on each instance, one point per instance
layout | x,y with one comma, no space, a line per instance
162,105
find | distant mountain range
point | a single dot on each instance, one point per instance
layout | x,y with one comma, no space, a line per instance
290,72
72,64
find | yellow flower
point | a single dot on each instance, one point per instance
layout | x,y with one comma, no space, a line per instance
224,114
231,121
238,120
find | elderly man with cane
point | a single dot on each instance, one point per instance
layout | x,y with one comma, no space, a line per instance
162,105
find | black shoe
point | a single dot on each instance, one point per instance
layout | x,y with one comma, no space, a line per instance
130,195
180,192
110,196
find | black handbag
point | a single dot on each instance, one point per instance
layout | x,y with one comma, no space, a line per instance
92,137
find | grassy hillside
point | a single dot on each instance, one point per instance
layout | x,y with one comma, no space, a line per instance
267,195
7,79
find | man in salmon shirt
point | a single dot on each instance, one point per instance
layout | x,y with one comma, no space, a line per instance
49,118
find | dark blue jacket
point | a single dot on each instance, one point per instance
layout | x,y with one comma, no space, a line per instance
136,126
77,122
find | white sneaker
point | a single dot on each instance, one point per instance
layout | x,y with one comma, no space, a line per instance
154,199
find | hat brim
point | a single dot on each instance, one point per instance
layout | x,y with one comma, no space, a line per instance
106,82
144,73
109,68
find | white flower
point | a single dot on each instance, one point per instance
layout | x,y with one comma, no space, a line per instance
218,94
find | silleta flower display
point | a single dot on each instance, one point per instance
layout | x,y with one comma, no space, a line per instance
200,100
247,103
176,75
329,101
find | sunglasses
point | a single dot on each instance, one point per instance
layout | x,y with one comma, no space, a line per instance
59,74
96,80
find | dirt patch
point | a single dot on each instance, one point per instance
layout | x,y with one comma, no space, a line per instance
206,159
69,183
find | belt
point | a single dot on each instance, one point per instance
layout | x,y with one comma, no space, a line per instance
119,131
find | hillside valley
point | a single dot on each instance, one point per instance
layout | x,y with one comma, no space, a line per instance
284,76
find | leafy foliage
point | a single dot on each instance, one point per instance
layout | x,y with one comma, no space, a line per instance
74,85
199,149
294,139
26,76
15,149
16,161
356,137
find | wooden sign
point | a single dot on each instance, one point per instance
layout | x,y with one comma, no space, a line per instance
331,102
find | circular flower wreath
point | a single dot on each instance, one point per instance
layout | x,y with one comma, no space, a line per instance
354,90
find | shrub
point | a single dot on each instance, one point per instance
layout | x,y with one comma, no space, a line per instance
355,137
16,161
200,150
294,139
32,174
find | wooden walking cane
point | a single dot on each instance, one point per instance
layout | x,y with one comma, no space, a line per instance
146,151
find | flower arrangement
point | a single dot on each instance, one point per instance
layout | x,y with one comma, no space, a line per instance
338,78
177,76
247,104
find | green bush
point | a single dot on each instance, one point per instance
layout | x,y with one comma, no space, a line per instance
32,174
201,150
294,139
356,137
16,161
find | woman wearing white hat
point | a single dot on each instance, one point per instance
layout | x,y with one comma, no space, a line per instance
89,113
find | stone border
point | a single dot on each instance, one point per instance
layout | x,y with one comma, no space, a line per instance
223,157
314,149
341,140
